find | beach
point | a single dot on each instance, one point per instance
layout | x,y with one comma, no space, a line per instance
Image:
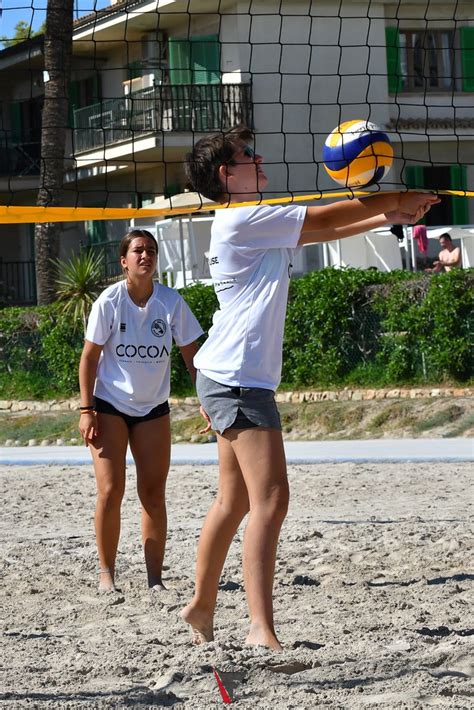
373,595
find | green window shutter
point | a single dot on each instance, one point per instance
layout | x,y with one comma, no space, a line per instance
135,70
460,205
96,231
467,57
96,87
16,123
141,199
195,61
414,177
171,189
145,198
205,60
73,100
394,72
179,61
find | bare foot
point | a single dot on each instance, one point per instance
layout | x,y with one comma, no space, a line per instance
106,581
259,636
157,587
155,582
200,623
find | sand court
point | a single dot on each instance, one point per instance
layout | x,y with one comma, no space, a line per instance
373,595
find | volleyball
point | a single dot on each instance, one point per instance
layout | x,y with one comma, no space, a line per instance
357,154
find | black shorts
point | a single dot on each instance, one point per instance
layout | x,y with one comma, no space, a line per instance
100,405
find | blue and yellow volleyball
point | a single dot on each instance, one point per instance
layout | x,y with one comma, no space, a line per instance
357,154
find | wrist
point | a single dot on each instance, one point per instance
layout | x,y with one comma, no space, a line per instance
87,410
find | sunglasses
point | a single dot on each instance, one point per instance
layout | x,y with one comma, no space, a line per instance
248,151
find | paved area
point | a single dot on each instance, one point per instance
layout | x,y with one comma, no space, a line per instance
373,450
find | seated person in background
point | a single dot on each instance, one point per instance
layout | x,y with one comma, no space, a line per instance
449,256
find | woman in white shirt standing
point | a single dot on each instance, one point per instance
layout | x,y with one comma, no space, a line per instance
124,377
239,365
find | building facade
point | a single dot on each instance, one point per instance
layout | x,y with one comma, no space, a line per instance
148,79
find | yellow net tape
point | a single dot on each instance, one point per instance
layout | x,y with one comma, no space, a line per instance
30,215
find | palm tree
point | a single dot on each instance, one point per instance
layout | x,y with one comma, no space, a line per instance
78,284
57,69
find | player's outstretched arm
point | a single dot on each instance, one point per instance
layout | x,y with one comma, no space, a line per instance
343,214
380,220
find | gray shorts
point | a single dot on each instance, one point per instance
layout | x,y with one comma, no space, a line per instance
237,407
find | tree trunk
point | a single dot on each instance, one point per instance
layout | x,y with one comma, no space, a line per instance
57,66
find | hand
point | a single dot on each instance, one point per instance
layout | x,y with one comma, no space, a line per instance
411,210
205,416
398,217
416,204
88,426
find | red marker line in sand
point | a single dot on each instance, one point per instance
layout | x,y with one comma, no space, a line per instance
224,694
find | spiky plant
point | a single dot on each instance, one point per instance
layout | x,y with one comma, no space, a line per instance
78,284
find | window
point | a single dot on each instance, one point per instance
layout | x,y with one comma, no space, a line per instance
96,231
427,60
430,60
195,60
84,92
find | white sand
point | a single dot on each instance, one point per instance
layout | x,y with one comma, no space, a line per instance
387,547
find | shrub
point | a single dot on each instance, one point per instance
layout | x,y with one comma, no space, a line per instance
343,327
61,346
203,302
39,352
326,334
427,328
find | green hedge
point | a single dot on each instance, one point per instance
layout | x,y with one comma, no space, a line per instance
39,352
371,328
203,302
344,327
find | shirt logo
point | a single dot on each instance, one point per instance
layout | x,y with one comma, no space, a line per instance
158,327
123,327
224,285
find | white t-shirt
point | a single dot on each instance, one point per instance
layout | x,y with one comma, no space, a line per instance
250,263
134,367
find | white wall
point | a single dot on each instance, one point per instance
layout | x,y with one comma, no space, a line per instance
297,62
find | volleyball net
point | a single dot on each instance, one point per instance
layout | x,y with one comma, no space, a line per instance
148,79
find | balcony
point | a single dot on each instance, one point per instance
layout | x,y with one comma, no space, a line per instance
19,159
17,283
178,108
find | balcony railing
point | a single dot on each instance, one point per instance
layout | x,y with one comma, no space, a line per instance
17,283
19,159
179,108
